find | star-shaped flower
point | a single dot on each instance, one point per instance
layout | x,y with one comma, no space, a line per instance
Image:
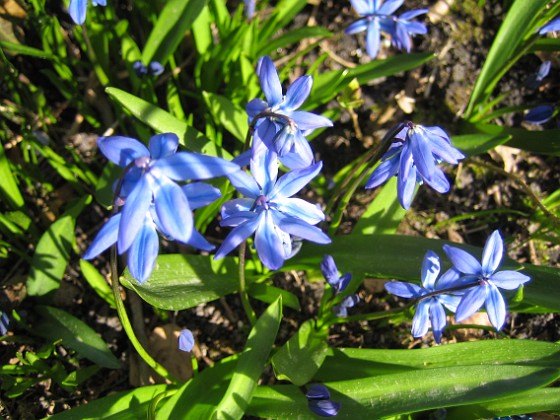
429,310
487,278
280,127
270,211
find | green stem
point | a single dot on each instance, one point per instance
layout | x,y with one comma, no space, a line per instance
372,316
101,75
125,321
243,286
375,155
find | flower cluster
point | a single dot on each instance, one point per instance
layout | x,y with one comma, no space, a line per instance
268,209
463,289
151,199
319,401
377,16
153,69
78,9
413,157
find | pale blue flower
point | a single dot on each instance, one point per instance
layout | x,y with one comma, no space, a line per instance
186,340
377,17
429,310
413,157
280,127
486,280
78,8
270,212
553,25
152,200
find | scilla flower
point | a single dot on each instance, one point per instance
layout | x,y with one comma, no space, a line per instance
486,280
78,9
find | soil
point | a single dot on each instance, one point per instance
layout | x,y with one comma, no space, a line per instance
438,93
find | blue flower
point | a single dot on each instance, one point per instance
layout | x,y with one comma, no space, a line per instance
318,397
78,9
152,200
378,17
186,340
153,69
4,323
269,211
330,272
249,8
553,25
540,114
414,157
486,279
534,80
429,310
280,127
341,310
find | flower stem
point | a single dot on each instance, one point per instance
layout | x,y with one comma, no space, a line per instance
125,321
243,286
375,155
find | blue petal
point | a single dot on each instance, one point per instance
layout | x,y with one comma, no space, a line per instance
301,155
294,181
414,28
173,211
553,25
509,280
340,311
406,185
539,114
493,252
383,172
462,260
318,392
373,38
307,121
183,166
77,10
255,107
199,242
471,302
421,319
269,80
232,207
411,14
300,209
303,230
422,153
297,93
430,270
401,38
245,184
438,320
438,182
99,2
362,7
162,145
264,168
200,194
269,243
356,27
441,148
266,131
106,237
133,214
121,150
143,252
284,140
389,7
403,289
448,279
155,68
237,236
329,270
324,408
345,280
186,340
449,301
495,307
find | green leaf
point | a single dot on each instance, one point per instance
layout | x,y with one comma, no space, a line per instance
250,364
536,400
9,186
519,23
55,324
199,396
400,257
53,251
347,364
227,114
384,214
122,405
98,283
163,122
407,392
174,20
183,281
267,293
299,359
477,144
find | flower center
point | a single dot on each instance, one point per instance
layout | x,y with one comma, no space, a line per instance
262,201
143,162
